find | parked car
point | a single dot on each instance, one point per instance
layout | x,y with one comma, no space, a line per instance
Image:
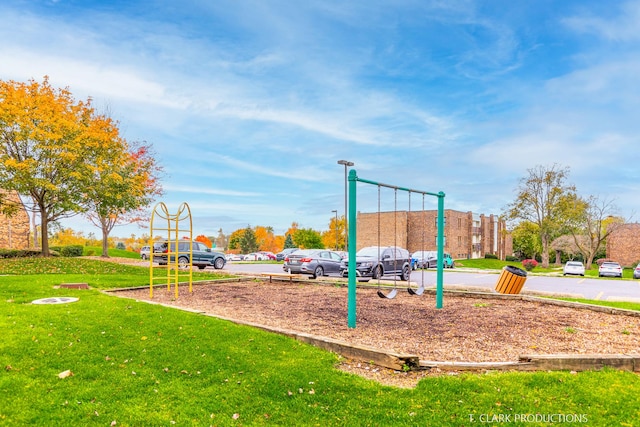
448,261
255,256
636,272
316,262
343,254
377,261
280,256
268,255
429,259
203,256
425,259
573,267
145,251
414,262
609,268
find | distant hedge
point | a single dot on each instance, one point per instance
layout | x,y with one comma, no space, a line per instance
68,251
19,253
65,251
490,256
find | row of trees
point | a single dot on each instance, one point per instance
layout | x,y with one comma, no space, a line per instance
548,208
547,214
244,240
260,238
66,159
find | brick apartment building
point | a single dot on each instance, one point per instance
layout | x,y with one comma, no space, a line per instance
466,235
623,244
14,230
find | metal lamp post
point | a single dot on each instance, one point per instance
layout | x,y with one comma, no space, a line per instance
346,164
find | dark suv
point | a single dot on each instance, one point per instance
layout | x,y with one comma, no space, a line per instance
202,255
378,261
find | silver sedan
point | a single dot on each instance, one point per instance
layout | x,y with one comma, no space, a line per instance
315,262
610,269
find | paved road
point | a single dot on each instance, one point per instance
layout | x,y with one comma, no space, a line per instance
580,287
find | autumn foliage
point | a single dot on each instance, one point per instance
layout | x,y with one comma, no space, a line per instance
69,159
204,239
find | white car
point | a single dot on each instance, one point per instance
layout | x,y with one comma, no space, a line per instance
255,256
145,251
573,267
608,268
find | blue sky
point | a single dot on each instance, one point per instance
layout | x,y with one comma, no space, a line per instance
250,104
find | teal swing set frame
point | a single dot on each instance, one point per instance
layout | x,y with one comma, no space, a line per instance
351,223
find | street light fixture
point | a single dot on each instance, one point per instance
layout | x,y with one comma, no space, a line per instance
346,164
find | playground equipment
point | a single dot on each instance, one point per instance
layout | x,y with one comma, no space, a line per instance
394,291
173,229
353,180
420,289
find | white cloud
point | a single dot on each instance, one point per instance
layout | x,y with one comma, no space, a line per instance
208,191
625,26
90,78
259,102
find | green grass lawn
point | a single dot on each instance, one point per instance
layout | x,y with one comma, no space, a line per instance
616,304
113,252
496,264
138,364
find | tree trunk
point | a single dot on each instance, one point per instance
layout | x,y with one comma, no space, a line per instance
44,225
105,239
545,251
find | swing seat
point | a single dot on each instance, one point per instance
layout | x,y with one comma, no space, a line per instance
392,294
418,291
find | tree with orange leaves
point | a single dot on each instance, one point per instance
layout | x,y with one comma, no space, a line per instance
204,239
58,151
266,239
334,237
292,230
45,139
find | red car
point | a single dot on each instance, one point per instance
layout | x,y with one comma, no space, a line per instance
269,255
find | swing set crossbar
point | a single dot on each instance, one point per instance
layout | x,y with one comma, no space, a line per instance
352,239
395,187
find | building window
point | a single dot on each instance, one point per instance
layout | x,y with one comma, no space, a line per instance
444,240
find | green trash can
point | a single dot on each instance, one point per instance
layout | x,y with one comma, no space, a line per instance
511,280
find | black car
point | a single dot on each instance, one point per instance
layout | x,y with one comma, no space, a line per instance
280,256
203,256
378,261
316,262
